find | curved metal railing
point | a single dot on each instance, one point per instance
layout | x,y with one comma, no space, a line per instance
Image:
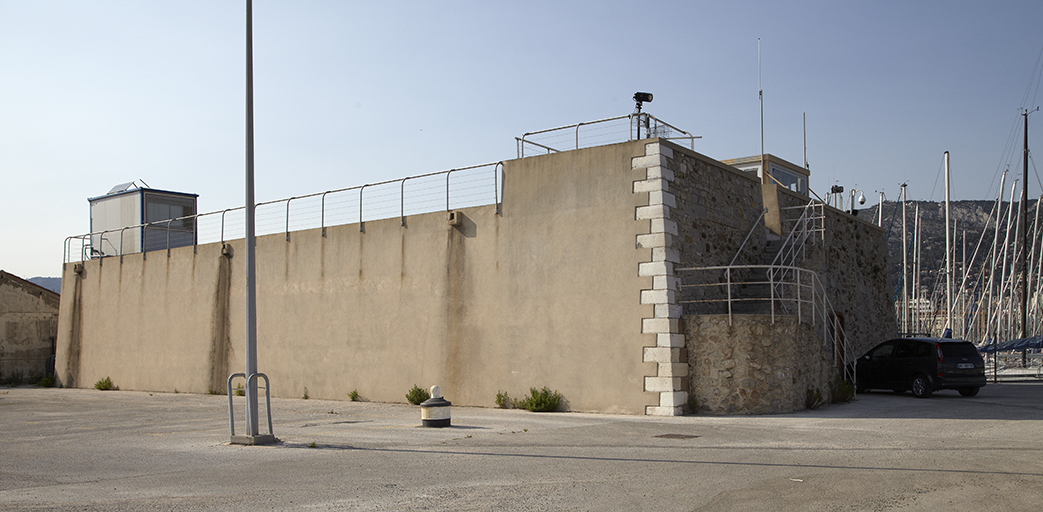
782,288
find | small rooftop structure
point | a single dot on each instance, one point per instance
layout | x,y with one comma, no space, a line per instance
786,174
129,219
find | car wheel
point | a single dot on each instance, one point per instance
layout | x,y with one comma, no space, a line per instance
969,391
921,387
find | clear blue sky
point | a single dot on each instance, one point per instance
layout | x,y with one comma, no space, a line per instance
94,93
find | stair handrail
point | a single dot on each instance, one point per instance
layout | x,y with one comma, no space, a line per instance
803,233
823,314
747,239
794,243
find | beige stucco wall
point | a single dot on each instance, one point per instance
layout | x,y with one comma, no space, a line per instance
546,294
29,318
571,286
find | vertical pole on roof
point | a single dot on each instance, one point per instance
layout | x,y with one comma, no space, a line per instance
760,95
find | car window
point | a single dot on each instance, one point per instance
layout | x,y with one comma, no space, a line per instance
905,348
883,351
923,349
965,349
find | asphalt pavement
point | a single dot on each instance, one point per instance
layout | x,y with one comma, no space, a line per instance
80,449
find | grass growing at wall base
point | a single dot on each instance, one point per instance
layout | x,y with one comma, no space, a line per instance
504,402
106,385
813,399
541,400
416,396
841,390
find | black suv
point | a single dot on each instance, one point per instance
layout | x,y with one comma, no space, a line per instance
923,365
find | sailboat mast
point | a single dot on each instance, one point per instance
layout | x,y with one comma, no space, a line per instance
1006,247
1016,262
916,270
1032,263
905,267
948,250
1024,229
963,289
995,248
1039,274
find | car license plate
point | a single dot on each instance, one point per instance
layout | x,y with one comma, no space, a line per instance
965,366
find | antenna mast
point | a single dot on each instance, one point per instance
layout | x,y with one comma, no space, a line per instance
804,116
760,94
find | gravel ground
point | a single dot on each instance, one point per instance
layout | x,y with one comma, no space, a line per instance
78,449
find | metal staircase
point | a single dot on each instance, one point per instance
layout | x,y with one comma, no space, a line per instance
781,287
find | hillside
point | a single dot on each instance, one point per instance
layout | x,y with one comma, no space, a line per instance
969,216
51,283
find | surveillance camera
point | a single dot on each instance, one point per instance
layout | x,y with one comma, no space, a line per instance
861,199
644,97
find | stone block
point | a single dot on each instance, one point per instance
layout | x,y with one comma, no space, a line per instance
639,162
653,240
673,369
655,268
659,211
670,340
665,254
668,310
659,325
658,296
660,197
661,172
650,185
656,148
664,226
661,384
661,355
673,398
651,410
666,282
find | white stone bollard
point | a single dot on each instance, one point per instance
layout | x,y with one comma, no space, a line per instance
434,412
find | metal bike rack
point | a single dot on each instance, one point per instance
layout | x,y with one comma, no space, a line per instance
267,399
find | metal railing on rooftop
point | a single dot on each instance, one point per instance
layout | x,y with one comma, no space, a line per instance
596,133
424,193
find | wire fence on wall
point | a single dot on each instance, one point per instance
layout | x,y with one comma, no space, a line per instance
465,187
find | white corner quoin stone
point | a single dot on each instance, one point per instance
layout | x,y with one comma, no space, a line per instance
664,324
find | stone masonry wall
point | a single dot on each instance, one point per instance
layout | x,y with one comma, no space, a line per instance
754,366
851,260
717,207
714,208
